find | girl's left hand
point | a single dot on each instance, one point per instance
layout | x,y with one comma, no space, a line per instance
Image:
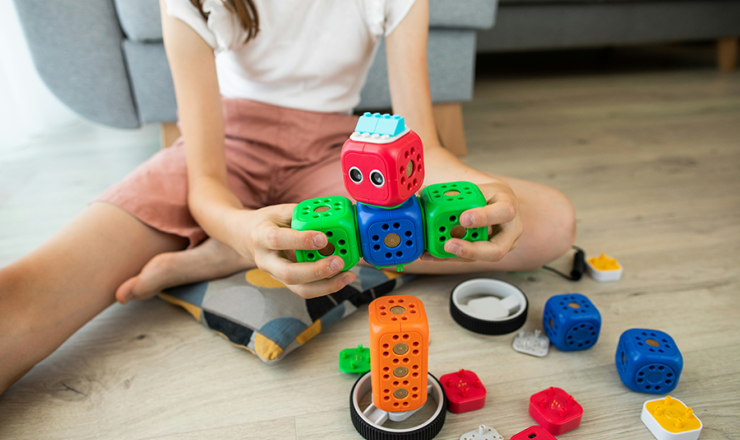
500,215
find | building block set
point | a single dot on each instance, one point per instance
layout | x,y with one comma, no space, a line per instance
464,391
555,410
571,322
383,168
671,419
390,226
648,361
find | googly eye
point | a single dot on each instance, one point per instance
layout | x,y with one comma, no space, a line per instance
377,178
355,175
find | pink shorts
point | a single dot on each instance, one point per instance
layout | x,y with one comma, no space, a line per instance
274,155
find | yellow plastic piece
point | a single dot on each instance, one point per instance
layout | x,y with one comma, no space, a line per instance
673,416
604,263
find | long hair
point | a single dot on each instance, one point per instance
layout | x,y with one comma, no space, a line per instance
244,9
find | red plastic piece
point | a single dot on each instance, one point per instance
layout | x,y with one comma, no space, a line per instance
394,160
464,391
555,410
534,432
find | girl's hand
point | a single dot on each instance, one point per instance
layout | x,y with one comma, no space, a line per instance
501,216
271,243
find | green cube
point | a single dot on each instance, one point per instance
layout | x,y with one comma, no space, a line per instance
335,217
442,204
354,360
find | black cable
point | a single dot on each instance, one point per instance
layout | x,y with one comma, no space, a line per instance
579,265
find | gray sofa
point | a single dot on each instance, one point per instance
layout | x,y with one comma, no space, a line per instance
106,61
558,24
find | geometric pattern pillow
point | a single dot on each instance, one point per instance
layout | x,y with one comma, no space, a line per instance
255,312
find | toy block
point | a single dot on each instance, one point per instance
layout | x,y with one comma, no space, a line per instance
367,123
648,361
603,268
555,410
533,432
464,391
670,419
354,360
534,344
390,125
571,322
383,171
335,217
391,237
399,340
442,204
482,433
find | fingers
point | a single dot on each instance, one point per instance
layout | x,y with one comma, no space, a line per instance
494,250
292,274
269,236
501,211
323,287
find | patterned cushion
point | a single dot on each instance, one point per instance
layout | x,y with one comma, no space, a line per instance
261,315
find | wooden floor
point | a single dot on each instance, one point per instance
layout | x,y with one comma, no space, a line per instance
651,161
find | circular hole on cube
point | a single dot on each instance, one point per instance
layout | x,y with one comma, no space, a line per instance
442,229
410,168
409,243
343,251
388,255
453,218
376,247
385,226
327,250
376,238
396,225
407,233
475,235
442,238
329,234
310,255
342,242
652,342
392,240
458,231
452,193
399,254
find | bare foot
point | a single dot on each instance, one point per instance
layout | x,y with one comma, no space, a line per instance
209,260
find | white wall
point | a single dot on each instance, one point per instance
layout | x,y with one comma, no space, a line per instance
27,107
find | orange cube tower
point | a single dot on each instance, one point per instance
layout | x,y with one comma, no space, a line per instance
399,341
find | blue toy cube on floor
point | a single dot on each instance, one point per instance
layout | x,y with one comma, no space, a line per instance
648,361
391,237
571,322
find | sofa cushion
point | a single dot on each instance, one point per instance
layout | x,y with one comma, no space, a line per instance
140,19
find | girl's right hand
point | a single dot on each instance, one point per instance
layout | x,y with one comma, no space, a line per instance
271,242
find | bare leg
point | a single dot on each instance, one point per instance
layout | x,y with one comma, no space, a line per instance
53,291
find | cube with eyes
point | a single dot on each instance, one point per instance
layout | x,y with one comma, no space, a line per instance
382,161
391,237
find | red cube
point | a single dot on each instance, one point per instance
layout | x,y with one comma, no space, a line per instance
555,410
464,391
383,170
533,432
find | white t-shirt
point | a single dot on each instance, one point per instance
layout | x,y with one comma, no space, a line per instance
309,54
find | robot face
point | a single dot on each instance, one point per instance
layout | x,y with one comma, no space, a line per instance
366,177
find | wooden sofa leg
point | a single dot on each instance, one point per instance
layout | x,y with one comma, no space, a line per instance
727,49
449,120
168,134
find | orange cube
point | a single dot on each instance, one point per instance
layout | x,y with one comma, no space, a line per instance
399,340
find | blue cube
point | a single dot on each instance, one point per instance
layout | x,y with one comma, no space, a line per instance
391,237
648,361
571,321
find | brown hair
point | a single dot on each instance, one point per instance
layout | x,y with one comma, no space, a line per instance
244,9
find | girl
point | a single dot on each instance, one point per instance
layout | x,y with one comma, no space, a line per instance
265,91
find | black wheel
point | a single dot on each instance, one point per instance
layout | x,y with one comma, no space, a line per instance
425,429
511,318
